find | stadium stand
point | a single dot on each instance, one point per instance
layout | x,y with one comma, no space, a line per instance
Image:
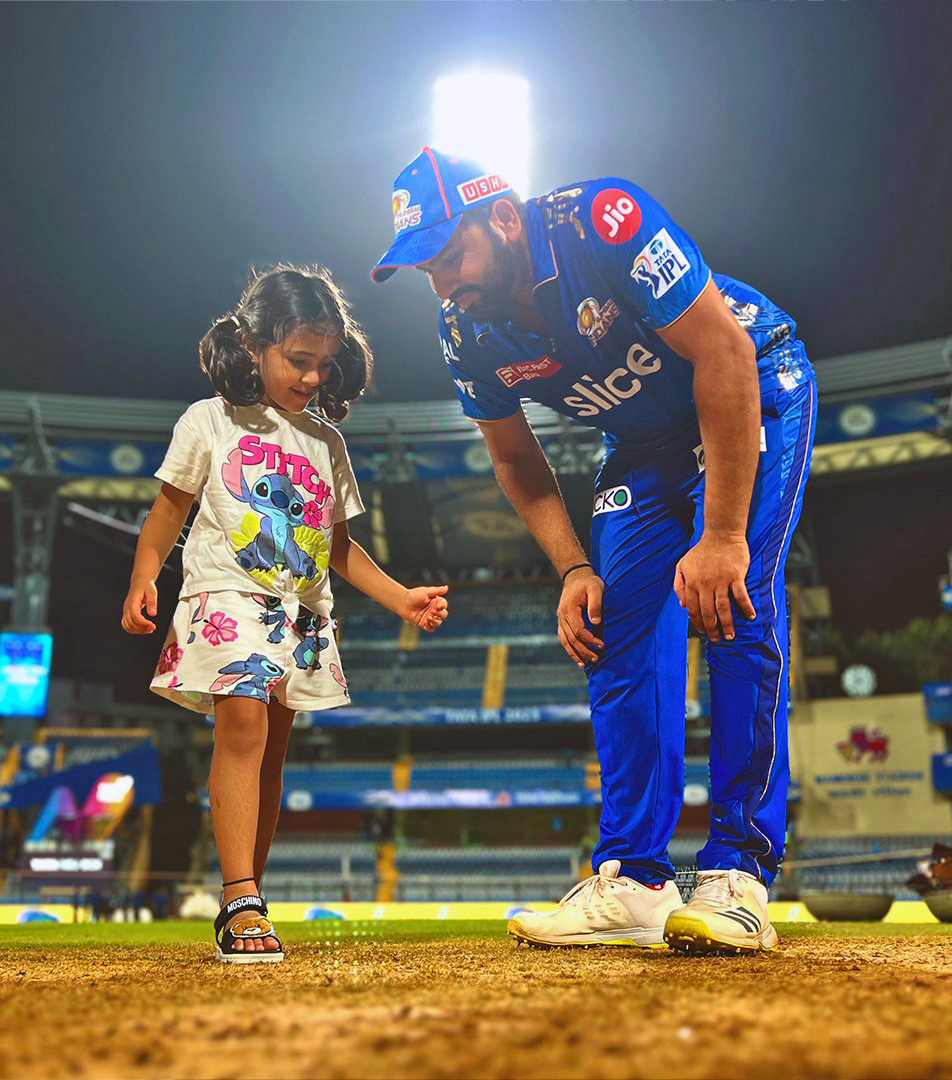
520,747
304,867
860,865
501,874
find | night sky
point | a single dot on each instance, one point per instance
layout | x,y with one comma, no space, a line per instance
153,153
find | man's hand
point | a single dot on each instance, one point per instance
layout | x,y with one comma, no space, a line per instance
581,594
142,594
426,606
708,577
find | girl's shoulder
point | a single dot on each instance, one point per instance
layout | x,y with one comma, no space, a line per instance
313,426
200,413
220,419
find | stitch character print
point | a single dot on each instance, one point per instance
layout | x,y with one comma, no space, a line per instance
308,652
273,616
252,678
282,529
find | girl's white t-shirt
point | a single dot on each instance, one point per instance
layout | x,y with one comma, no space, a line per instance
271,485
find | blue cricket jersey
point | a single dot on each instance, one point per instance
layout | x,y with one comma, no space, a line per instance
610,268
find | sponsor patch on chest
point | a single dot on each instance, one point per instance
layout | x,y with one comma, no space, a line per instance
540,368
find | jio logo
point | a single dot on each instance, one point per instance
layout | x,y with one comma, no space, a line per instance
615,215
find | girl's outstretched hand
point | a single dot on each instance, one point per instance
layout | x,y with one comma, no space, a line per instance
142,594
426,606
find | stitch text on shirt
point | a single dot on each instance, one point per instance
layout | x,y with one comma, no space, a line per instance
301,471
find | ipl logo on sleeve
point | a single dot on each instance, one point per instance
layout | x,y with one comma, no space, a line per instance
660,264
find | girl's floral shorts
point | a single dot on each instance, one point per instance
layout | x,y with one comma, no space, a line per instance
231,644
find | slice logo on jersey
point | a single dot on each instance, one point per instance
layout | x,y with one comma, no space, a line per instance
595,397
593,321
616,216
481,187
660,264
404,215
612,499
541,368
465,386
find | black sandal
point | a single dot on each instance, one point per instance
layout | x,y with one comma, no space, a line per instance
255,927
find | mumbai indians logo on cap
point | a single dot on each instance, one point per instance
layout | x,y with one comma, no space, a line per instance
480,188
404,215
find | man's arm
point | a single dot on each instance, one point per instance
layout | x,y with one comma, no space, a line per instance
727,397
528,482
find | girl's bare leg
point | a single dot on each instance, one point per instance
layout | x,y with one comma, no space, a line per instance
241,734
269,794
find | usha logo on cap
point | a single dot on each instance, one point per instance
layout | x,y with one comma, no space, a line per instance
405,216
482,186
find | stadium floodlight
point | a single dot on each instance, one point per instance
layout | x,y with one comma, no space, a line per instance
484,116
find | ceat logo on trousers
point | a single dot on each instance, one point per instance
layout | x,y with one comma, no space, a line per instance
529,369
612,499
615,215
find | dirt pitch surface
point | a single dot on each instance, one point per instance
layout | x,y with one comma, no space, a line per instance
434,1000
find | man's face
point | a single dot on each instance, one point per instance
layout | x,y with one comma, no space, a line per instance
476,270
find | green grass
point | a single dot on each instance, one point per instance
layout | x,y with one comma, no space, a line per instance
47,935
170,932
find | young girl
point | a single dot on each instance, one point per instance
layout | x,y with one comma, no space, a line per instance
252,635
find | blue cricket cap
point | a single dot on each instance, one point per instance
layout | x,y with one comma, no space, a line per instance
429,198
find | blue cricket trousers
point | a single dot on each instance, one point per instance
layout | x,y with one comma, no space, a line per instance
648,512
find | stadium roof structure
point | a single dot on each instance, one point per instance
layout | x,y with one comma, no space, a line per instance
90,462
924,365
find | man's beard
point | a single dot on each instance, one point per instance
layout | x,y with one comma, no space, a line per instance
494,297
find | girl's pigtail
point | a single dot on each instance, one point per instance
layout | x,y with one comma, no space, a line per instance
354,367
228,364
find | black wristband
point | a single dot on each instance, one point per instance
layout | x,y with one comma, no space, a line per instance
577,566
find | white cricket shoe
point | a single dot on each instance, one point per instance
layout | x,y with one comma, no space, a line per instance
727,912
603,910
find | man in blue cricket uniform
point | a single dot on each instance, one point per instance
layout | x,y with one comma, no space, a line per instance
593,301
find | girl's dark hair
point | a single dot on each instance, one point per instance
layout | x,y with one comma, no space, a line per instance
277,302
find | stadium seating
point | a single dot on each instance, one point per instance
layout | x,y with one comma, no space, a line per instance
871,869
479,615
487,874
416,679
